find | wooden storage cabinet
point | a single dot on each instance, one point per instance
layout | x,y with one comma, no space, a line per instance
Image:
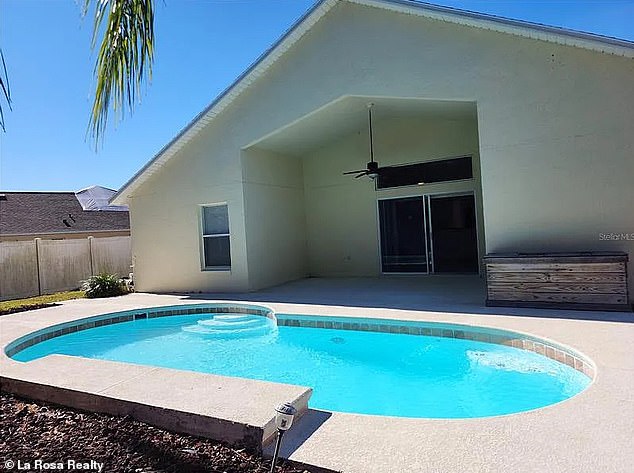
590,281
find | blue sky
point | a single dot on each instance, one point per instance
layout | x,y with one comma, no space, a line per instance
201,47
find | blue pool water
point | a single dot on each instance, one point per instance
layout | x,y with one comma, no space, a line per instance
350,371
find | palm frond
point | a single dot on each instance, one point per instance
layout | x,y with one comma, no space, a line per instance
4,87
124,59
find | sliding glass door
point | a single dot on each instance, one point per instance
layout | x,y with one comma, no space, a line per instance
429,234
454,240
403,242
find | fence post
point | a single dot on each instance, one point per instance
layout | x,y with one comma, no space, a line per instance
37,265
92,264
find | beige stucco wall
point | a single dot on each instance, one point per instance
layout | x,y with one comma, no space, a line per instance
165,216
341,212
274,217
555,127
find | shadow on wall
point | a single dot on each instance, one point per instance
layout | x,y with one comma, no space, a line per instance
446,294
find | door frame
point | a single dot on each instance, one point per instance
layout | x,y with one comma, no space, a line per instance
428,231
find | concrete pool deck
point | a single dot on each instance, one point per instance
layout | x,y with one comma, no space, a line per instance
589,432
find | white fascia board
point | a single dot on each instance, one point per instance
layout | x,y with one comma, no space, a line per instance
552,34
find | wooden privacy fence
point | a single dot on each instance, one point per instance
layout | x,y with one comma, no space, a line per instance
34,267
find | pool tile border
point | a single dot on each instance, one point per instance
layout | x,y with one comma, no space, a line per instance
54,331
542,347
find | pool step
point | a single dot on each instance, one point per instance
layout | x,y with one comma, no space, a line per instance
236,317
225,324
233,326
247,332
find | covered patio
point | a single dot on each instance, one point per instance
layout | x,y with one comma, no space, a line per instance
424,294
305,217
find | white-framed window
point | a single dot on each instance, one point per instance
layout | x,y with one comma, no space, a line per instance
216,249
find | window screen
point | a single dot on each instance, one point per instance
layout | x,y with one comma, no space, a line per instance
216,246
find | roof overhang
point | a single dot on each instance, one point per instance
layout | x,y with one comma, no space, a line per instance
551,34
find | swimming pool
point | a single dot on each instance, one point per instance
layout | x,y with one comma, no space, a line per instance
362,366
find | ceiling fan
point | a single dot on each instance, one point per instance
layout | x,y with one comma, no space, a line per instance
372,169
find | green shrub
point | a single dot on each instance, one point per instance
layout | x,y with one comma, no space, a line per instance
104,285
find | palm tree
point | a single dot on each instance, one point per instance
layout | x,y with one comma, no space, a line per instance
124,30
4,87
125,56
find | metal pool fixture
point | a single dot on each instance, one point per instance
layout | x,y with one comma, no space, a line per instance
284,415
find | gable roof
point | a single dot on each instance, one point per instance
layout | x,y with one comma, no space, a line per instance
33,213
590,41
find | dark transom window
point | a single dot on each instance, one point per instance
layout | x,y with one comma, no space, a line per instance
425,173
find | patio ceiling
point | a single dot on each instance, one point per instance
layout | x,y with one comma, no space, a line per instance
348,115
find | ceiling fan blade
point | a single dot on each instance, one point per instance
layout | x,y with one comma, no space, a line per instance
355,172
364,173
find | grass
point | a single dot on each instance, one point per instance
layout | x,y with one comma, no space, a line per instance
38,302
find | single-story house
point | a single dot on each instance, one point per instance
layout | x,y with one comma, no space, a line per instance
61,215
491,135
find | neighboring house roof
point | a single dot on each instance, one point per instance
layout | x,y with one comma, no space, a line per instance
33,213
98,198
551,34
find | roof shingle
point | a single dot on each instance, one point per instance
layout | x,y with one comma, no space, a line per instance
53,212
